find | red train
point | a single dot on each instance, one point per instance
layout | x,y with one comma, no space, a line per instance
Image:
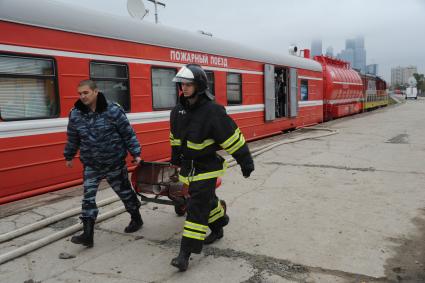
46,48
343,93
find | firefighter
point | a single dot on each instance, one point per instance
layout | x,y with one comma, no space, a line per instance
199,128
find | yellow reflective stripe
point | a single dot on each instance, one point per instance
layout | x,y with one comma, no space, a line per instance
237,145
194,226
194,235
215,210
217,216
184,180
203,176
200,146
175,142
216,213
231,140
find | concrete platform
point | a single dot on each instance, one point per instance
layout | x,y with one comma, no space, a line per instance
342,208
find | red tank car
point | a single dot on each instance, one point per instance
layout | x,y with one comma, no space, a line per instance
342,88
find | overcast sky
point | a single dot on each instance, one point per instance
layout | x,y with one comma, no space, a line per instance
394,30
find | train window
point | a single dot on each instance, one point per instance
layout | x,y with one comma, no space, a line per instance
164,90
112,81
304,90
27,88
210,76
234,88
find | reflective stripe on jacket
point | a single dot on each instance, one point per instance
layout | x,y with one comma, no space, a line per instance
197,132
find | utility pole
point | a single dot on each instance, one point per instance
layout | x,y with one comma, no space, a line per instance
156,3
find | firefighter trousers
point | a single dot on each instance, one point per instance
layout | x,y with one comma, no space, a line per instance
204,211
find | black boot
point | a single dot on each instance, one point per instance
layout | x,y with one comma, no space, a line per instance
181,261
214,236
135,223
217,233
86,238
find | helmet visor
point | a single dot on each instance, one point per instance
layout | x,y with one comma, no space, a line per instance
182,80
185,75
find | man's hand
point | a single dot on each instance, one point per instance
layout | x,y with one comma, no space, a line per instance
137,160
247,169
69,163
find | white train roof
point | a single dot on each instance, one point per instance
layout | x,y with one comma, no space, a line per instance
60,16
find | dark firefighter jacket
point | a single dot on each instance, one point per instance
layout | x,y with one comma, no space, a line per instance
103,136
197,132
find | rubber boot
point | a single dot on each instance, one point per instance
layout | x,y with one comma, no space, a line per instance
217,233
181,261
135,223
86,238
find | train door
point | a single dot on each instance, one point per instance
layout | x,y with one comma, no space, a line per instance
293,98
280,91
269,93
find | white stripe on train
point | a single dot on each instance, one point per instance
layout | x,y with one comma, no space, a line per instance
58,125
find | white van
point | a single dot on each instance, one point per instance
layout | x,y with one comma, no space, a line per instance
412,92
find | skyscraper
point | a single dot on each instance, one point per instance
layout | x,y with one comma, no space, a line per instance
316,48
350,44
355,53
396,75
359,54
347,55
372,69
330,51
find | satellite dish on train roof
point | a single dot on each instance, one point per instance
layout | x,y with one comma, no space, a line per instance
293,49
136,9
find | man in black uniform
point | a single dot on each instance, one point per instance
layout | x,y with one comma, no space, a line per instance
199,128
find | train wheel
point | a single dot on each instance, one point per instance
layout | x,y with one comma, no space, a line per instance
180,209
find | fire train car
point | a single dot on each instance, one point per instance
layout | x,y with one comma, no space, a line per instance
47,48
375,92
342,88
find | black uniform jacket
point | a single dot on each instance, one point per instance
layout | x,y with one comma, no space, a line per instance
197,132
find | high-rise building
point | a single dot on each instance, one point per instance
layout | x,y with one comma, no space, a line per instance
396,75
372,69
360,59
400,75
355,53
359,42
330,51
408,72
350,44
347,55
316,48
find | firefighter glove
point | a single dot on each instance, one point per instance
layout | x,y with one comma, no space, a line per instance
247,169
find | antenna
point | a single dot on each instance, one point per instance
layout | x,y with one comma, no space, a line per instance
205,33
156,3
136,9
